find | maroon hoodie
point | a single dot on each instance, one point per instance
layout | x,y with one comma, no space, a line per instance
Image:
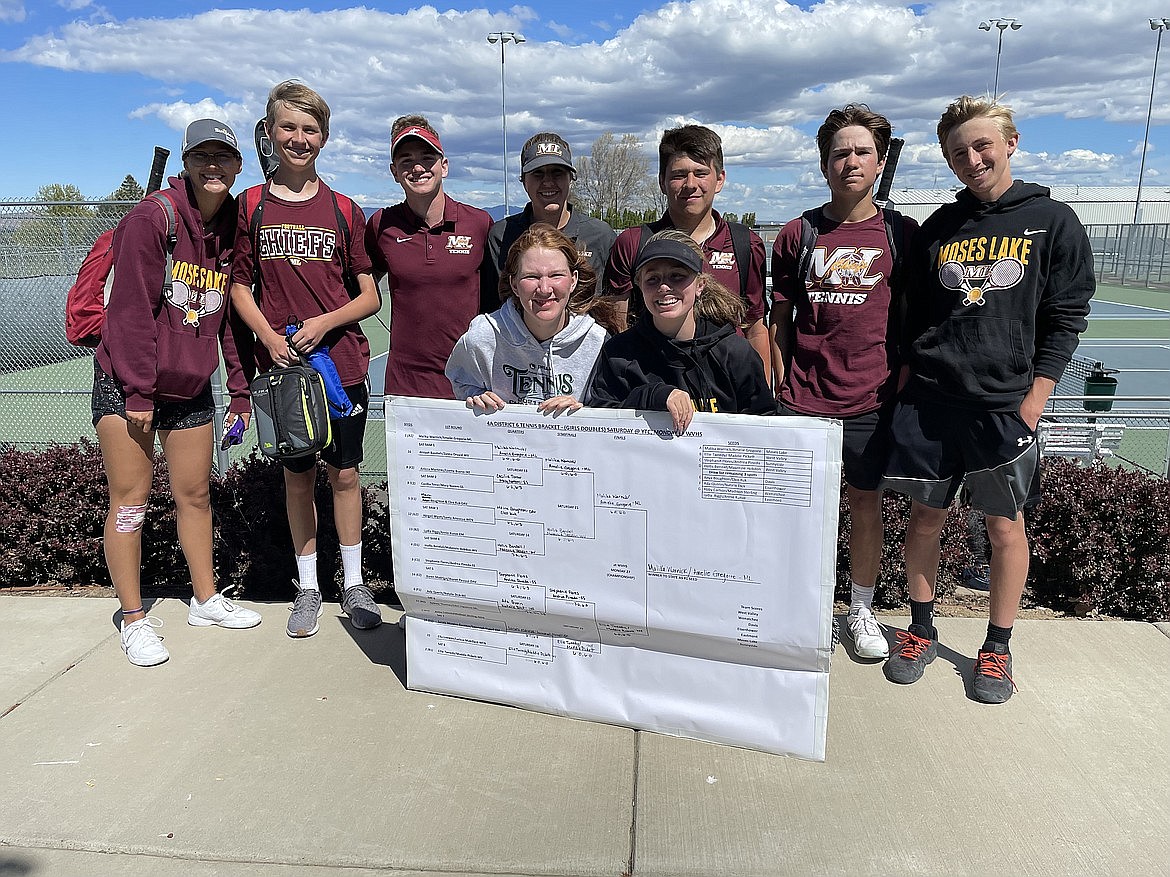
168,348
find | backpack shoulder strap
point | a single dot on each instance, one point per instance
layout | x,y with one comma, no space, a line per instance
344,223
254,210
895,235
895,224
168,207
809,231
741,246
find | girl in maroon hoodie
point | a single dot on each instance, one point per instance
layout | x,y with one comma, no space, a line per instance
152,374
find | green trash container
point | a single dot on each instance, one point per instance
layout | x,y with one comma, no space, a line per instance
1100,382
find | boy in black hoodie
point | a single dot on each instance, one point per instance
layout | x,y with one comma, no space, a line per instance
999,287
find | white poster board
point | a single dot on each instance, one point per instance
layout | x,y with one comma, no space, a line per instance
595,565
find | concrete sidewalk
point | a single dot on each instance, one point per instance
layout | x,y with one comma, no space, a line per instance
252,754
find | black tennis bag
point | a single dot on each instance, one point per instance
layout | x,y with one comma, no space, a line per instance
291,412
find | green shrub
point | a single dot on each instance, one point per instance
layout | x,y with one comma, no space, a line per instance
1100,538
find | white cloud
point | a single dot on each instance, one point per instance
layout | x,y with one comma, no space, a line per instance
12,11
756,72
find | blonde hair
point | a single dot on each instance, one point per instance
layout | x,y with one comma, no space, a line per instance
717,303
966,108
541,235
295,95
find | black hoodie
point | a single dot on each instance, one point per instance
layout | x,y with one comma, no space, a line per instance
718,369
998,293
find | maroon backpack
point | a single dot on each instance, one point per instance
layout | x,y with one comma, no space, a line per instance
85,303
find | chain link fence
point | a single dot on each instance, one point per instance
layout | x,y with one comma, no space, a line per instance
1131,255
45,381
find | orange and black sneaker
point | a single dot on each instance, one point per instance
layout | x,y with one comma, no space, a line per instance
914,648
993,674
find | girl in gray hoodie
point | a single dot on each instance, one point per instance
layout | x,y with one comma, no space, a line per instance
540,347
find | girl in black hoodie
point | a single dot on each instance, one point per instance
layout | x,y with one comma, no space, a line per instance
684,354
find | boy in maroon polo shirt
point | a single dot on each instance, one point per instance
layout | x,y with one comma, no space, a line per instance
831,320
690,175
302,256
433,250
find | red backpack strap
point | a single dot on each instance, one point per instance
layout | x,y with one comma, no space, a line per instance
254,212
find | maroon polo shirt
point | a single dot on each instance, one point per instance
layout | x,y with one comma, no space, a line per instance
435,289
720,260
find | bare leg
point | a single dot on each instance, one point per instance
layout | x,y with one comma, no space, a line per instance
865,535
1009,566
923,549
347,504
301,505
188,453
127,454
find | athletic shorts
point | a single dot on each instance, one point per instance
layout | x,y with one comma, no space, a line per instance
349,435
109,397
991,455
865,445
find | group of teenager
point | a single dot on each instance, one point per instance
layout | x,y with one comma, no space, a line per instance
936,346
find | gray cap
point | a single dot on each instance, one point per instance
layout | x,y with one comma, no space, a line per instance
206,130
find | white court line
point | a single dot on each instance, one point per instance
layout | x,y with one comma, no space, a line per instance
1121,304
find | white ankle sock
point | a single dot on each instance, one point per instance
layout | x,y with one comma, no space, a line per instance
307,569
351,564
861,597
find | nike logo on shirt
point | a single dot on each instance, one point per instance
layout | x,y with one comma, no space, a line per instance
1028,232
404,240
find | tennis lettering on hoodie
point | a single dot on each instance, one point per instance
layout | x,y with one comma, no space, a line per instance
537,382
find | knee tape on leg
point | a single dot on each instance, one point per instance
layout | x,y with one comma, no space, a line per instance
130,518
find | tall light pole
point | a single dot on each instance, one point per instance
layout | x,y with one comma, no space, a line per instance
1158,24
1003,24
502,37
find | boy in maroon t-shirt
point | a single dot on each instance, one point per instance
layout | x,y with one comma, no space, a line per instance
830,327
433,249
690,175
300,252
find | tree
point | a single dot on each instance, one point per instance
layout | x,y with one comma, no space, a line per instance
749,219
615,177
65,197
129,191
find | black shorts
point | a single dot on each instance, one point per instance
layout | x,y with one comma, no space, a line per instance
349,435
992,455
109,397
865,445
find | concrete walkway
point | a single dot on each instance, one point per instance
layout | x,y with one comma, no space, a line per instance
252,754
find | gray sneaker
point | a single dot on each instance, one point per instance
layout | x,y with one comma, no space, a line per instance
306,609
358,603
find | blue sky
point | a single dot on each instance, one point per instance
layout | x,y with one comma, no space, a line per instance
92,87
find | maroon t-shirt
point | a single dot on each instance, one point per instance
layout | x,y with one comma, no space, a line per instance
300,249
840,362
720,255
435,289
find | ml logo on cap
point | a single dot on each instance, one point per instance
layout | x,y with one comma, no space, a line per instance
548,148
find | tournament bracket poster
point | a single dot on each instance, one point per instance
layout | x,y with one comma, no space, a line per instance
596,565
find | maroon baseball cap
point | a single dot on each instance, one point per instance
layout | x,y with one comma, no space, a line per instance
422,134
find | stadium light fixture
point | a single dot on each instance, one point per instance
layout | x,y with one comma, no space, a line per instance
1158,24
503,37
1002,24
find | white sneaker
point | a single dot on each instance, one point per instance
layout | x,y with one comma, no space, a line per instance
866,633
219,610
141,644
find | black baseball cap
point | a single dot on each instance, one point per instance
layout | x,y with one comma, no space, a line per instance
675,251
545,149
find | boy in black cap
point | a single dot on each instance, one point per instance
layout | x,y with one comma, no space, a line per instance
547,174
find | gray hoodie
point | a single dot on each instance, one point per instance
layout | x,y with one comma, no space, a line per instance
498,353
